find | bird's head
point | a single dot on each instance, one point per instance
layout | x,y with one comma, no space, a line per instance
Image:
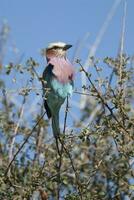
57,49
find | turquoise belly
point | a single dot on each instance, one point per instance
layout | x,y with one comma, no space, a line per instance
62,90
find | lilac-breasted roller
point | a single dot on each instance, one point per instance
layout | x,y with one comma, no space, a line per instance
58,81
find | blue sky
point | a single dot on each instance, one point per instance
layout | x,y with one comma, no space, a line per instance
36,23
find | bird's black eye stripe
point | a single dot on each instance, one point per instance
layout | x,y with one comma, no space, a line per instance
56,47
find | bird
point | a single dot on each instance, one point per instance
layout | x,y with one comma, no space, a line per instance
58,81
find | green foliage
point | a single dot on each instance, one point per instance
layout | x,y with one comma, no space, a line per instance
98,153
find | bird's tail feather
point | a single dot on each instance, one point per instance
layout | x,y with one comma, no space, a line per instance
55,125
56,129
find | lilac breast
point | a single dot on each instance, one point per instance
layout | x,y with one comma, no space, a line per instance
62,69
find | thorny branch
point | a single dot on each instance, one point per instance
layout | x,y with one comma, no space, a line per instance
102,100
22,145
16,130
73,167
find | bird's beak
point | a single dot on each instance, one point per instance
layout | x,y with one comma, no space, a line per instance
67,46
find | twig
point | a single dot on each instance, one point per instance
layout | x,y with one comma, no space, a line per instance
82,93
101,98
111,77
4,35
73,167
55,175
22,145
121,47
97,42
61,151
16,130
36,73
65,119
67,152
5,101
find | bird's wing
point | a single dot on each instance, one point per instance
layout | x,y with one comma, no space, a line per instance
46,85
